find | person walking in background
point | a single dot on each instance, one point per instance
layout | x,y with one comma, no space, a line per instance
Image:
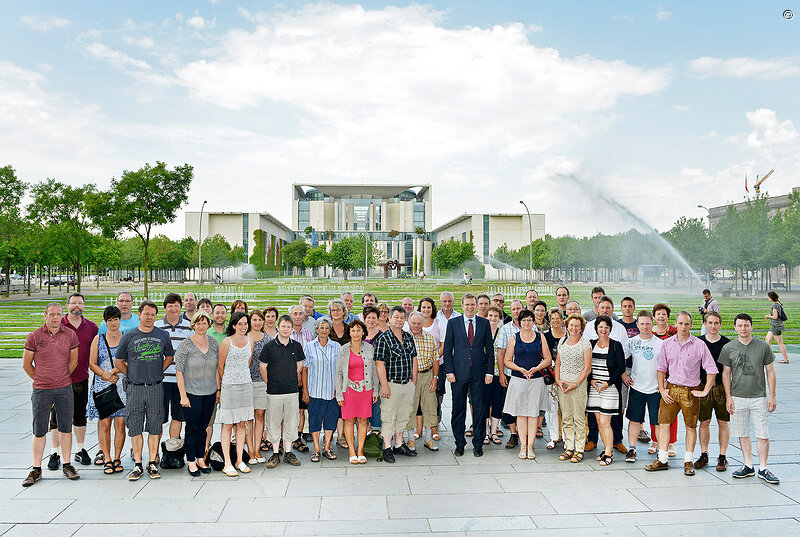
776,317
709,304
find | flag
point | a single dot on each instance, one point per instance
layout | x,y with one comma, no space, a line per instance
313,238
745,183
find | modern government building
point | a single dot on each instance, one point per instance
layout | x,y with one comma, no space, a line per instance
398,217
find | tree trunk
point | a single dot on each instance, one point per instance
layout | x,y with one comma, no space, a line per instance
146,270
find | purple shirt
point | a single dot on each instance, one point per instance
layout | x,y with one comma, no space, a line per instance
85,332
302,337
683,362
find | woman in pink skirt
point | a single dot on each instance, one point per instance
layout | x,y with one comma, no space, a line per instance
356,378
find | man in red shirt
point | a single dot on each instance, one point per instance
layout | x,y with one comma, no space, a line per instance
86,330
49,358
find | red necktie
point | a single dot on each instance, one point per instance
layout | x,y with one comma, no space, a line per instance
470,332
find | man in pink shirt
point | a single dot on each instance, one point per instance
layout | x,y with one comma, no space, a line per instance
681,358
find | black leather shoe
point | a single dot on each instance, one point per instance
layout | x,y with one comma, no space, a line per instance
477,451
388,455
54,462
405,450
459,451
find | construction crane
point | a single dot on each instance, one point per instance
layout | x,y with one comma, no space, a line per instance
757,186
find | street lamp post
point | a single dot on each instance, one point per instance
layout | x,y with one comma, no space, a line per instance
709,214
530,248
200,243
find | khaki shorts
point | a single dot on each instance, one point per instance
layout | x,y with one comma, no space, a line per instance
684,402
714,401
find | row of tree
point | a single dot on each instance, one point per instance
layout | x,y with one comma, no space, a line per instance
346,254
76,226
749,241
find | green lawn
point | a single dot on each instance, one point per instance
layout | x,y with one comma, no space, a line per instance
20,315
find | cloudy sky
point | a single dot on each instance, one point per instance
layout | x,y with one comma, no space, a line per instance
662,105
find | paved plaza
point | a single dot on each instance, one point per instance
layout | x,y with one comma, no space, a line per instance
434,493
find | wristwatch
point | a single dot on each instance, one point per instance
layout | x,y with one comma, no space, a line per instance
436,377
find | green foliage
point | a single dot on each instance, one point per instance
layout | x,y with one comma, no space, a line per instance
217,253
258,259
350,253
10,220
316,257
451,254
66,210
140,200
294,254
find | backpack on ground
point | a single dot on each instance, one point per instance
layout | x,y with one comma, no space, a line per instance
373,446
173,454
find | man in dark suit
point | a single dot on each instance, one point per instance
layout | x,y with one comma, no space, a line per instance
468,366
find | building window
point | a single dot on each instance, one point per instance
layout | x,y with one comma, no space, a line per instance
409,260
245,231
389,250
419,215
485,238
464,236
303,215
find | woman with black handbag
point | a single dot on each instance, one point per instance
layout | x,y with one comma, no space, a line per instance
107,380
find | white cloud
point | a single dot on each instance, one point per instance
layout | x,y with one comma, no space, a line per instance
117,59
198,23
662,14
42,24
769,69
770,137
681,107
626,18
142,42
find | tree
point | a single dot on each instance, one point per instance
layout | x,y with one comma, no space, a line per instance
67,209
259,257
349,254
10,219
140,200
294,254
451,254
316,257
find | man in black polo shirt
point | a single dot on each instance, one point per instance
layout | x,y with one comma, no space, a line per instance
281,366
396,362
142,356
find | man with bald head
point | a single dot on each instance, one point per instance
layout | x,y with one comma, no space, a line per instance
189,305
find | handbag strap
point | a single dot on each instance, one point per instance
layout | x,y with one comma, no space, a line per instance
105,342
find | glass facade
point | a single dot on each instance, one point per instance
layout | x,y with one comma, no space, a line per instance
486,252
303,214
419,214
245,231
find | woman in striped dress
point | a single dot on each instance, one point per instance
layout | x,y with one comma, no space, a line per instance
605,384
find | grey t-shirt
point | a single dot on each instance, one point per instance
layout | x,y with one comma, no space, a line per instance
777,323
145,353
199,369
590,315
747,363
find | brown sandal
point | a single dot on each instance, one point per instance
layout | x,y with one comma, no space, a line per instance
567,455
578,457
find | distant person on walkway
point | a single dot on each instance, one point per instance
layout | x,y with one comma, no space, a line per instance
745,361
709,304
776,327
101,362
49,358
196,363
143,355
681,359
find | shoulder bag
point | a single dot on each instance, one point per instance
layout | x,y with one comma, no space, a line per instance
107,401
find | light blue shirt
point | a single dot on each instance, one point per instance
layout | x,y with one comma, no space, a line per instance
124,324
321,364
474,324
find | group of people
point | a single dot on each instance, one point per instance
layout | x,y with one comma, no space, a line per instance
386,370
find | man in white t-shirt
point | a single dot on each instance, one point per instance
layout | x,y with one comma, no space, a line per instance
642,382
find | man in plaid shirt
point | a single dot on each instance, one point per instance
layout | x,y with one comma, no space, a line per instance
427,379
